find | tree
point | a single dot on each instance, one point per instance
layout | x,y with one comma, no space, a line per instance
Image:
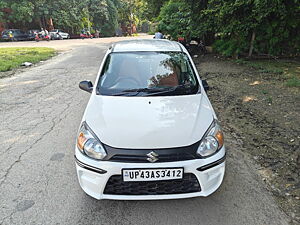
175,19
260,26
65,14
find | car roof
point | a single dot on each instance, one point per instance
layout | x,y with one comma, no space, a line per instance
12,29
143,45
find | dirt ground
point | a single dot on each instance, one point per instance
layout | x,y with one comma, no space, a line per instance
264,115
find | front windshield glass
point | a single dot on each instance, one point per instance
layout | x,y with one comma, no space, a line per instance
147,73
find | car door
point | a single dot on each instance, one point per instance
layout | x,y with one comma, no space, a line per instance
63,34
24,36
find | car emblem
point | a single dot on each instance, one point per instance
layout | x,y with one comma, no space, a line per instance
152,157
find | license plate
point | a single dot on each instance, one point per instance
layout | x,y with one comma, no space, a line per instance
152,174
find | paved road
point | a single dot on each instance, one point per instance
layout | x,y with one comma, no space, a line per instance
64,45
40,113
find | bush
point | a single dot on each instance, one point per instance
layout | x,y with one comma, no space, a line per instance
229,47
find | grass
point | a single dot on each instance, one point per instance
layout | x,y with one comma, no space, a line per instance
11,58
293,82
290,69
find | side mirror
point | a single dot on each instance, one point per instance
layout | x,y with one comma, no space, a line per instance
205,85
86,85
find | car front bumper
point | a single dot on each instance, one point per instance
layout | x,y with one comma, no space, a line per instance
93,175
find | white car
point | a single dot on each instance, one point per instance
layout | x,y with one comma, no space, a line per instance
149,130
63,34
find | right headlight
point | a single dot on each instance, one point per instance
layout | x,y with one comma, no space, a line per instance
88,143
212,141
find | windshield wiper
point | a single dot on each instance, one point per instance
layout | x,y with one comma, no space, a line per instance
156,91
148,90
136,91
179,89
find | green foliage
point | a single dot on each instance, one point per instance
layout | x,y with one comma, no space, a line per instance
70,15
135,12
293,82
230,47
174,19
152,8
274,24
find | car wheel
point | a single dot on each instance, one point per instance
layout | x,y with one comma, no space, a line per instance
68,37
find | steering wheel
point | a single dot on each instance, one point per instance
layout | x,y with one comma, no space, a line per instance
126,82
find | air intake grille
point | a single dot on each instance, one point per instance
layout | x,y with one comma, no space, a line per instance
116,186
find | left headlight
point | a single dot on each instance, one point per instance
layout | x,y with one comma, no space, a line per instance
88,143
212,141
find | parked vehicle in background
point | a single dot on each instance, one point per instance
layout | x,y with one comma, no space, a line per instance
32,33
63,34
15,35
40,37
55,36
83,36
194,46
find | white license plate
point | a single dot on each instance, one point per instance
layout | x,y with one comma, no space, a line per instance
152,174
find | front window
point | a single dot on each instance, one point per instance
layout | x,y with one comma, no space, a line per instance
18,32
147,73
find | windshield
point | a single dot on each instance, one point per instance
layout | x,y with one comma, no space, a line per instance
147,73
18,32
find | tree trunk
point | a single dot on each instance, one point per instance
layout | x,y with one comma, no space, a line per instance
40,22
251,44
50,22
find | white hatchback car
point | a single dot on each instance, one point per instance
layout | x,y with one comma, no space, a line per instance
63,34
149,130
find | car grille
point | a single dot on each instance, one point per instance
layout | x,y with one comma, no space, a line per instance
116,186
143,158
140,155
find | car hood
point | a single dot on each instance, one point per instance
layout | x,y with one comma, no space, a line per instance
149,122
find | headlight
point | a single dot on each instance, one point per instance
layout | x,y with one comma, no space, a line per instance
88,143
212,141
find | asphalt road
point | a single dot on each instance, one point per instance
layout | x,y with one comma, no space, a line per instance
41,109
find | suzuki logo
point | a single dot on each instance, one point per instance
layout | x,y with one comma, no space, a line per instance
152,157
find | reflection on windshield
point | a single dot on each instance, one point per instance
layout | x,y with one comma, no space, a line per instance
142,71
